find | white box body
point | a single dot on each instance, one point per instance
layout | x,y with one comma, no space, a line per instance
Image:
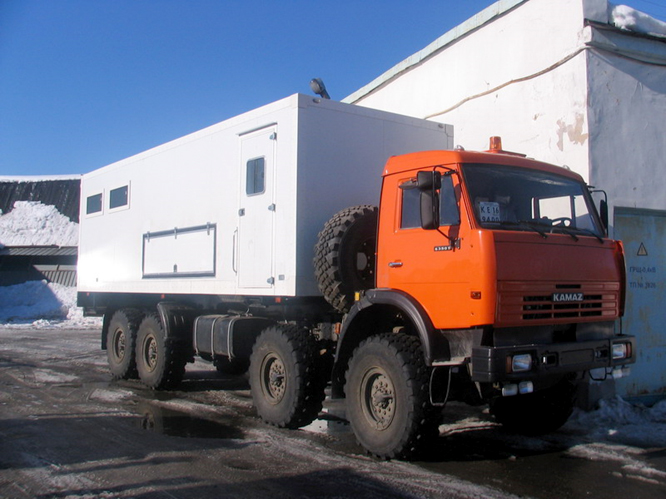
186,218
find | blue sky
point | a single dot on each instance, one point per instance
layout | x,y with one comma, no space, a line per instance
84,83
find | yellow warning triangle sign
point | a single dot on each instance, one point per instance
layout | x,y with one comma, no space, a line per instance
642,251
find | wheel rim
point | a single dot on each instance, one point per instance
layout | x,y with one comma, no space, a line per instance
150,353
377,395
119,344
273,378
365,261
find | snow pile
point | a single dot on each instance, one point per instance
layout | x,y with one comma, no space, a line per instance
32,223
625,17
43,305
617,420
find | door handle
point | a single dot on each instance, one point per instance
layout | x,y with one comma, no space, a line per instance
395,264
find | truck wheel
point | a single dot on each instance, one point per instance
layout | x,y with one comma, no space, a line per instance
158,361
536,413
286,379
388,404
345,255
121,342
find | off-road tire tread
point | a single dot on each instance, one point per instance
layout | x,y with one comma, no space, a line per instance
133,318
329,256
310,378
175,359
423,418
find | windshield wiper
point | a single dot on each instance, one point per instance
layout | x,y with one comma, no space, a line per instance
525,224
581,230
565,230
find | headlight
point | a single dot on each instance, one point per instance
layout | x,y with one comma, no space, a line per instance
520,363
621,350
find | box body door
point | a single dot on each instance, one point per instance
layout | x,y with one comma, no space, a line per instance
256,214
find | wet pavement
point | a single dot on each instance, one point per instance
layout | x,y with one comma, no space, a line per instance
67,430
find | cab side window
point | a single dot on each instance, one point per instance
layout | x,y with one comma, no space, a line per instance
410,217
448,205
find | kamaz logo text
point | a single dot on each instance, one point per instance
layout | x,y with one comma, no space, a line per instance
567,297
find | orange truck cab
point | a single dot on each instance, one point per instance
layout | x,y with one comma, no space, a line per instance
501,266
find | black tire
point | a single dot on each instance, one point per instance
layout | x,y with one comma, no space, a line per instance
225,365
286,378
388,403
345,255
536,413
160,363
121,343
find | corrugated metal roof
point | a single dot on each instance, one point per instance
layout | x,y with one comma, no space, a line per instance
64,194
39,251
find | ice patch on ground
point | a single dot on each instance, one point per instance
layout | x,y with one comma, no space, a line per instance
104,395
48,376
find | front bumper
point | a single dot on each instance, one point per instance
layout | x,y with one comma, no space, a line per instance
490,365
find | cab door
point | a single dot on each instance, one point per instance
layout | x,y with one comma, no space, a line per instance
426,264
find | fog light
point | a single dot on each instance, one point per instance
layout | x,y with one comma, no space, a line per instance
521,363
617,372
621,350
509,390
525,387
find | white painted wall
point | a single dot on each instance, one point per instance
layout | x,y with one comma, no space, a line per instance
521,76
627,110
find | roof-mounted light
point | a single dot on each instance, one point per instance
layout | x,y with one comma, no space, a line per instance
496,147
495,144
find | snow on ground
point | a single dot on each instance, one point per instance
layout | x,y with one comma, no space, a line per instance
32,223
618,421
42,305
630,19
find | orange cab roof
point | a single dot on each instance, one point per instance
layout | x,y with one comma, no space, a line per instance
411,161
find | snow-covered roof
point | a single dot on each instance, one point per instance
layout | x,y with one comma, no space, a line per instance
630,19
32,223
37,178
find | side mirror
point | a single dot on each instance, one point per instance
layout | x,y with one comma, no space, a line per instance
429,184
603,213
429,181
603,207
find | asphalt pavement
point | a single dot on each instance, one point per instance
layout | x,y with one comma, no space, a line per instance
68,431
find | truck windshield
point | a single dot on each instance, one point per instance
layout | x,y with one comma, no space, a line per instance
514,198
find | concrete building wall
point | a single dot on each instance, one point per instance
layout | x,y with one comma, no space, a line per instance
627,107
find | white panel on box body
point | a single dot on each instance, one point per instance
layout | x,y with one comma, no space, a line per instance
235,209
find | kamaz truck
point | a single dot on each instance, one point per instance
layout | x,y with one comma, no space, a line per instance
323,246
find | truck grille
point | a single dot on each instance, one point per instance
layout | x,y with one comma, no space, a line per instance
549,303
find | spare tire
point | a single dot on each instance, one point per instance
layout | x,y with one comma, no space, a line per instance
345,255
